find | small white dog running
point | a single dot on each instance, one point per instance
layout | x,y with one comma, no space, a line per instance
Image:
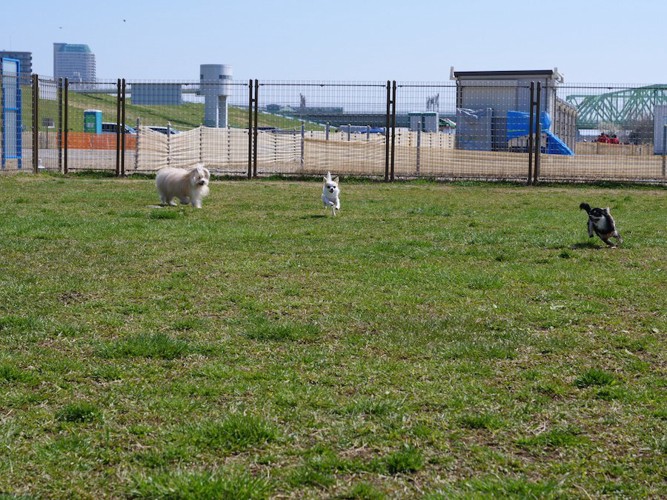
188,185
331,193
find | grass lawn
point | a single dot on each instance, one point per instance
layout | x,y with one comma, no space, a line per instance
433,340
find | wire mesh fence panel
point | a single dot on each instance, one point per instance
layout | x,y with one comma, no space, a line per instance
94,129
46,126
153,150
310,128
225,151
470,129
424,138
183,123
473,128
280,152
617,134
586,132
602,168
345,153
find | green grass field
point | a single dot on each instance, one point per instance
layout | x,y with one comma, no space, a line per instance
433,340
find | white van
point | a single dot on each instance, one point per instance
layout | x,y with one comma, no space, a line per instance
163,130
112,127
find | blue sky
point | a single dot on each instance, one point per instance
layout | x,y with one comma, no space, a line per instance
609,42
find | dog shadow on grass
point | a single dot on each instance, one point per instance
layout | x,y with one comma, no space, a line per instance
158,212
587,245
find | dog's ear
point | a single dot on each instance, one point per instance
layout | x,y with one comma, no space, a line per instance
207,174
325,179
336,179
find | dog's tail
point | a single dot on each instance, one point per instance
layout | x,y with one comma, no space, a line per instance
328,177
585,206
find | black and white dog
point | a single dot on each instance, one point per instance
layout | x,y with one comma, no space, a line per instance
601,222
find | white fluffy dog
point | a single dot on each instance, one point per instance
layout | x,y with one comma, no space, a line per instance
331,193
188,185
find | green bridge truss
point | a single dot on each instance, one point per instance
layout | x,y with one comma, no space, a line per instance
621,107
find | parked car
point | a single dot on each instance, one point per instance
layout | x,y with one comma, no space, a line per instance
164,130
111,128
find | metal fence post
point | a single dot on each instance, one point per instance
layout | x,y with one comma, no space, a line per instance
664,150
122,127
66,126
387,146
201,144
255,132
538,132
531,122
393,128
419,144
250,128
35,123
136,151
59,133
118,127
303,145
168,143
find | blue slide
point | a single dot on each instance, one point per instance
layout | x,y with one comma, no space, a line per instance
517,126
556,146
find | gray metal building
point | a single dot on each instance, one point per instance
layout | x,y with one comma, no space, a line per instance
161,94
484,99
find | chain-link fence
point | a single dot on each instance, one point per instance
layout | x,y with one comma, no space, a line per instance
461,129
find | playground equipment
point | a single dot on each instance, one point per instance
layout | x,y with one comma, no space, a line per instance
517,128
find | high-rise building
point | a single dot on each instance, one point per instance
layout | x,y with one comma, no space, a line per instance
75,62
25,61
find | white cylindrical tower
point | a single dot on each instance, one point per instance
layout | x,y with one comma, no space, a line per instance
214,85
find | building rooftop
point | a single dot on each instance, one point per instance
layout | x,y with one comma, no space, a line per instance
501,75
74,47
